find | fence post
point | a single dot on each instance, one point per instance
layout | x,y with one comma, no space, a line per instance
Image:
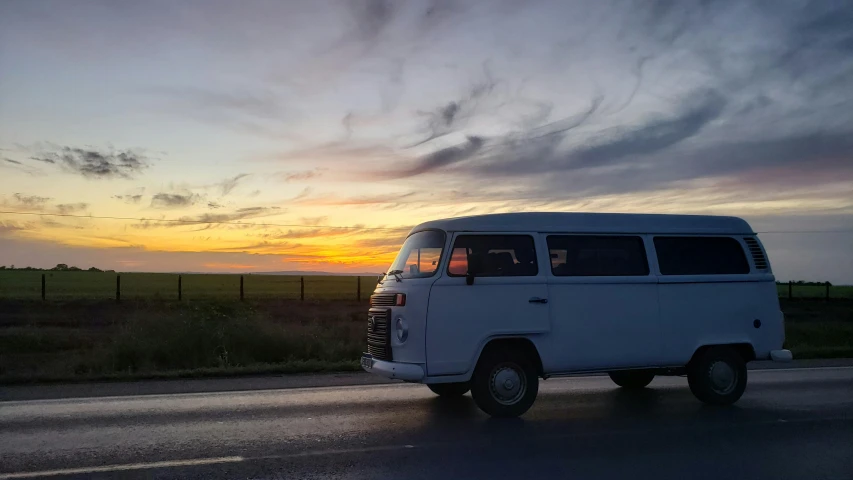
790,289
241,288
118,288
302,289
180,292
358,289
42,287
827,290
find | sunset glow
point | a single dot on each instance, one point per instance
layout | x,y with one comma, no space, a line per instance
297,148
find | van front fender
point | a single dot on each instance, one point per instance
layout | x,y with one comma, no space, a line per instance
521,342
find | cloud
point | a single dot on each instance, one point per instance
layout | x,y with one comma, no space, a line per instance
505,155
7,228
68,208
10,164
227,185
38,203
804,160
371,16
255,103
652,136
91,163
304,194
301,233
34,201
299,176
441,158
255,111
448,117
51,223
173,200
314,221
214,205
228,266
129,199
305,198
211,219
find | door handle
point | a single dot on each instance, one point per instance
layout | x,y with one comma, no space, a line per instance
538,300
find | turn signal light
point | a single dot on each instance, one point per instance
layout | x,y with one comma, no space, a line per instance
401,300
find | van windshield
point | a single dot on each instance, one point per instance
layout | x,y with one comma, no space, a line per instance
420,255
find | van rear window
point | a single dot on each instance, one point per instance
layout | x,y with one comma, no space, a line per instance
493,256
700,256
597,256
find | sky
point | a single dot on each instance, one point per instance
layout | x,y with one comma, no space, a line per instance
319,132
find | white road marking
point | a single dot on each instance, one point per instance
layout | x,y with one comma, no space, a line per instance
121,468
800,369
644,432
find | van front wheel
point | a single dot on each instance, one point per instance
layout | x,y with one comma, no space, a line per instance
505,383
449,390
632,379
717,376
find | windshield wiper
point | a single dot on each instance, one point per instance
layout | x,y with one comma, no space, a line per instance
396,274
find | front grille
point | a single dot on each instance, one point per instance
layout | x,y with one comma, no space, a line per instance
758,257
379,333
383,300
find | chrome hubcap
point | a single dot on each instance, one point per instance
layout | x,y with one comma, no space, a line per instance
723,378
507,384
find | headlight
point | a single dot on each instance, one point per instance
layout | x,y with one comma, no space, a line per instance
402,329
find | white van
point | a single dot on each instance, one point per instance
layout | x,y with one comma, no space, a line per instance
492,303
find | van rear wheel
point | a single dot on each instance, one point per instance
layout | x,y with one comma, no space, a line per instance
449,390
632,379
717,376
505,383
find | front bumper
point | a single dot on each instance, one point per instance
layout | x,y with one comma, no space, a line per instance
401,371
781,355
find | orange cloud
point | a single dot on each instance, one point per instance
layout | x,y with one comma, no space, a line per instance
228,266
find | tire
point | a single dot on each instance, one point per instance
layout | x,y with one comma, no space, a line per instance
449,390
717,376
632,379
505,383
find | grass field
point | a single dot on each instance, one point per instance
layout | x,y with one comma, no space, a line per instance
63,285
43,341
103,339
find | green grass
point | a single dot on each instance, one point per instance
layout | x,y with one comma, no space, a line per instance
43,341
78,340
20,284
820,339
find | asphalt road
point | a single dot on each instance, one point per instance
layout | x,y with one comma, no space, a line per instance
795,424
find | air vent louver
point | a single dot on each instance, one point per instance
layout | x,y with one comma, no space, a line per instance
757,253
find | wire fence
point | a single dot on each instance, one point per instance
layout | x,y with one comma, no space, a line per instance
68,285
825,290
52,285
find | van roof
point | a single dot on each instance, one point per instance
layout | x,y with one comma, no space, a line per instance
592,223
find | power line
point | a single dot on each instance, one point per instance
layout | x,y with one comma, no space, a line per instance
287,225
202,221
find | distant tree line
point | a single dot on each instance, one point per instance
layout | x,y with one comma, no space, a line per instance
61,267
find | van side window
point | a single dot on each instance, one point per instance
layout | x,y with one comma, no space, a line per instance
597,256
493,256
700,256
